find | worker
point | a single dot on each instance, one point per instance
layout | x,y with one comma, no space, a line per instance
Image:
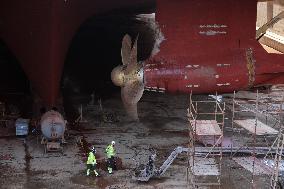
92,162
110,151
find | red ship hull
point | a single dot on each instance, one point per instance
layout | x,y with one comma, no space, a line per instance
210,45
39,33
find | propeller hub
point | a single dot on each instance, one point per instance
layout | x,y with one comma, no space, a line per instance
140,74
117,76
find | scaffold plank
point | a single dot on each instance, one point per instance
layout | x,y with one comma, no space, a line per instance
206,127
260,168
261,128
205,167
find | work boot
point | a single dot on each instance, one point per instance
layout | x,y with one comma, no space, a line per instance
109,170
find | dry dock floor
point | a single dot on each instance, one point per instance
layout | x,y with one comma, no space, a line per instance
163,126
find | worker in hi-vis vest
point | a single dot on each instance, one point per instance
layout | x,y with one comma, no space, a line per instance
110,151
92,162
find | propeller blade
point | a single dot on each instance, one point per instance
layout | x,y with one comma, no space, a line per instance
131,110
130,95
128,77
126,49
133,54
132,66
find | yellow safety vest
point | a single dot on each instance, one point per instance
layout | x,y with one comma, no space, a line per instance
91,158
110,151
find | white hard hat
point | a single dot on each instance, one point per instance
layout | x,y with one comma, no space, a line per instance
113,142
93,149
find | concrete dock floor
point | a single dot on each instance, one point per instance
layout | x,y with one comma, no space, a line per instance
162,127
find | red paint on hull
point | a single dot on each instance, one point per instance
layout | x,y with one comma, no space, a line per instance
39,34
210,46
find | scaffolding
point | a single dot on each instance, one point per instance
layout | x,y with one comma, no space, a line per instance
269,109
206,125
279,142
278,145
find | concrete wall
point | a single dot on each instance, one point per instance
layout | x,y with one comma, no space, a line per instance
265,11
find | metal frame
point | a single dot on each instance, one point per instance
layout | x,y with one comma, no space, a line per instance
277,159
194,114
279,141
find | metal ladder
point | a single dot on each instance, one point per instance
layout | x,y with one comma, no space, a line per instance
170,159
145,176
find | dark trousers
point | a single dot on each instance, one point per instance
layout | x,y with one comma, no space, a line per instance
111,163
91,167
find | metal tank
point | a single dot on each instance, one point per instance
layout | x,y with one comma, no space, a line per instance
52,125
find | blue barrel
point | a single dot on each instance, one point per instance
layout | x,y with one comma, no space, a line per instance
22,127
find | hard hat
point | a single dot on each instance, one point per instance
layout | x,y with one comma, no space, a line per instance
113,142
93,149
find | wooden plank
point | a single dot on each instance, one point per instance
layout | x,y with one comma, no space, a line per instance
206,127
260,168
261,128
205,167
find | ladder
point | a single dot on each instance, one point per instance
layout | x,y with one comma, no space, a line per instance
170,159
144,174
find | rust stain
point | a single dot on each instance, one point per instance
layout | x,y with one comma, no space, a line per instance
251,67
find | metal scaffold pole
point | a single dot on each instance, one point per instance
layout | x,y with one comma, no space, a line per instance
254,142
191,145
278,154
